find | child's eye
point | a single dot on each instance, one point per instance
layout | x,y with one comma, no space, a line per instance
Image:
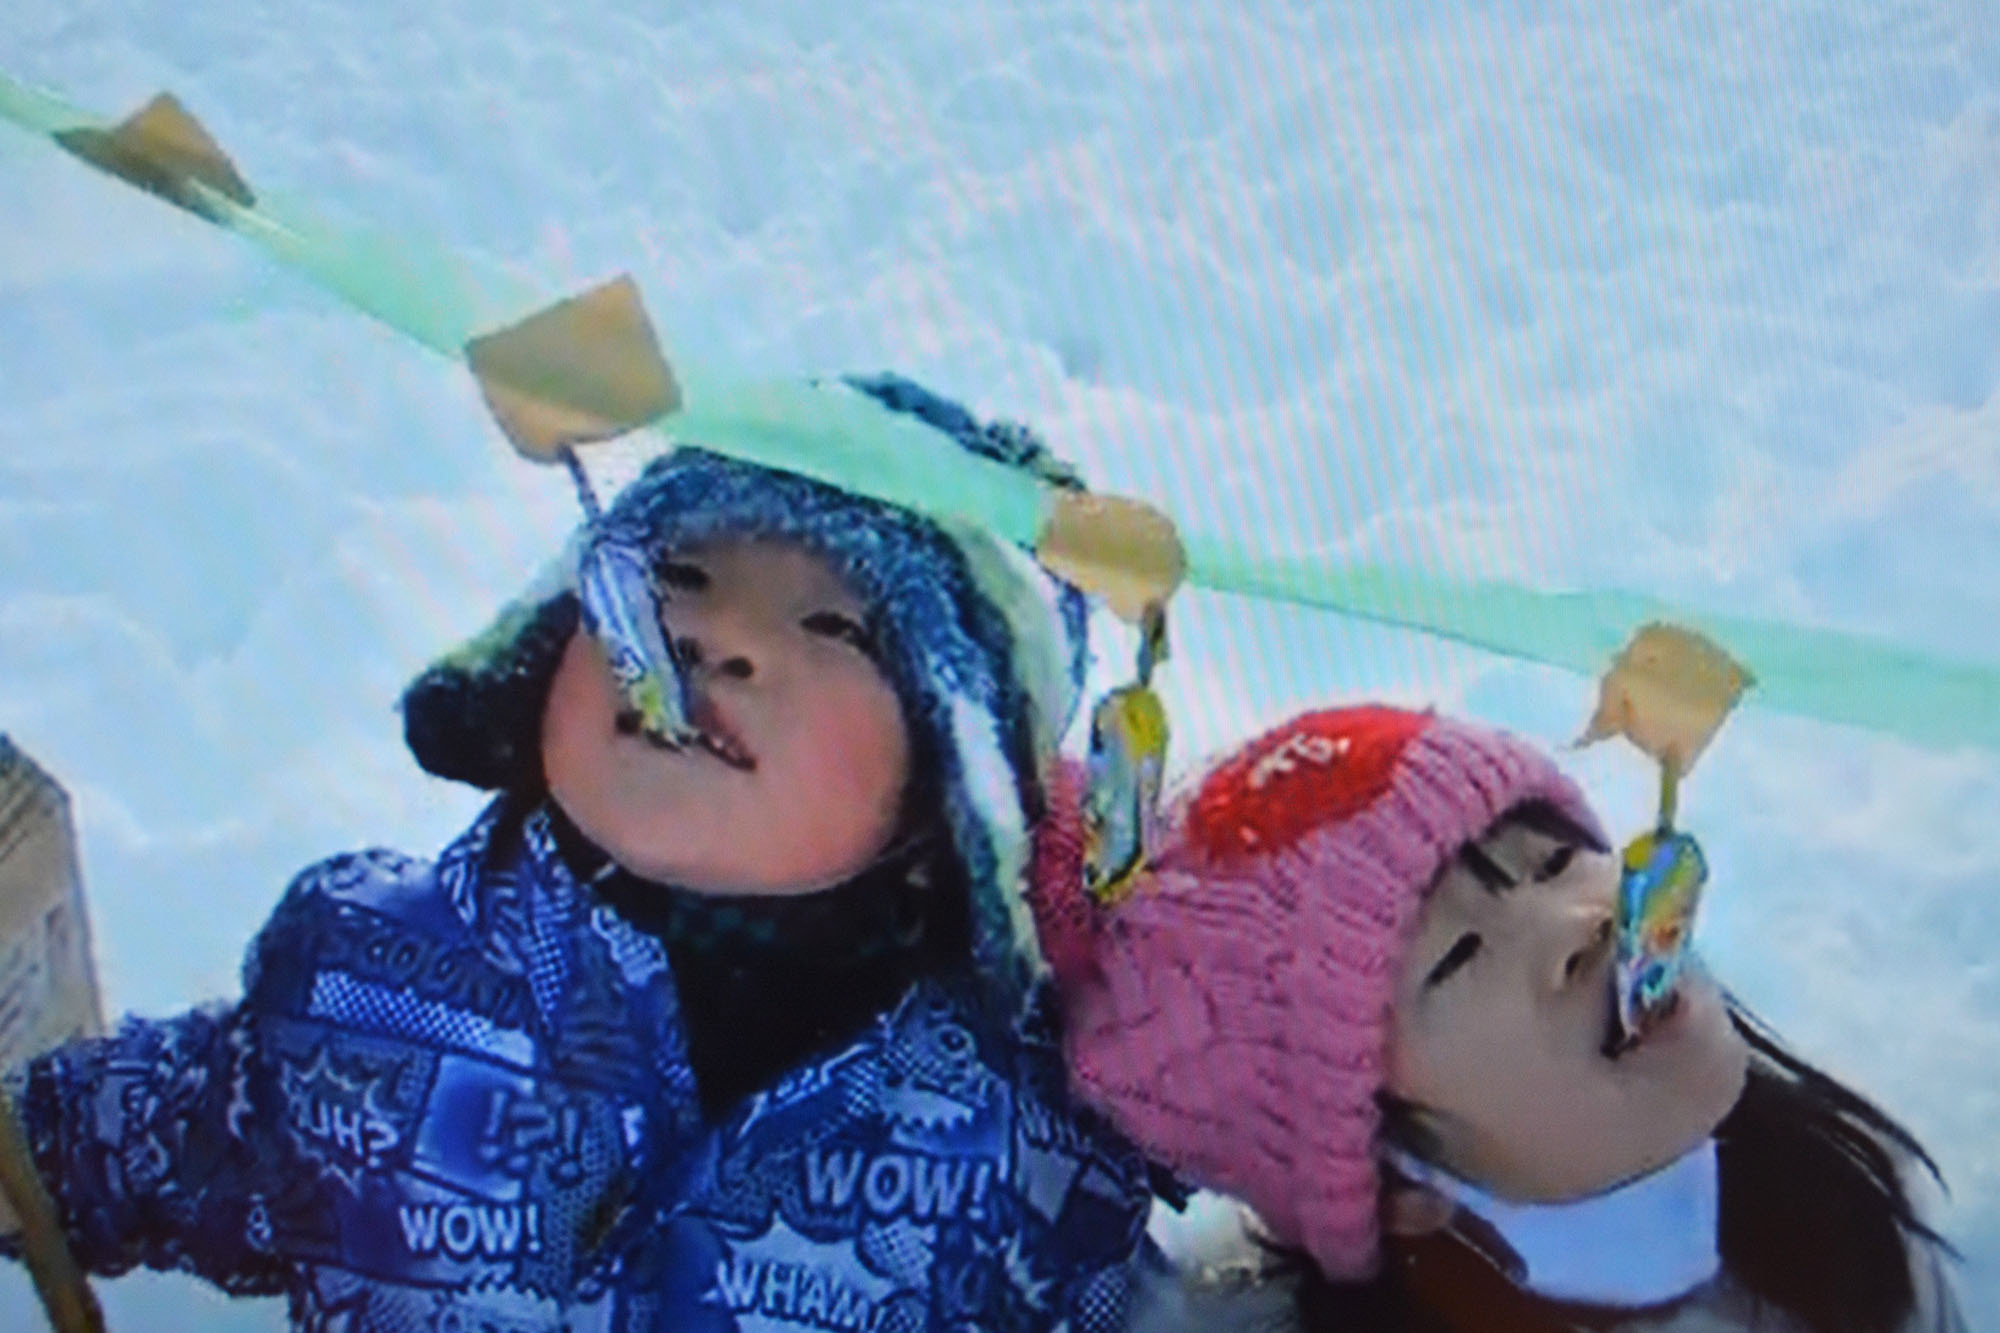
681,576
1558,862
834,625
1457,956
1492,876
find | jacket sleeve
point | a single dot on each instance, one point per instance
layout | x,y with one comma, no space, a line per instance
142,1141
162,1143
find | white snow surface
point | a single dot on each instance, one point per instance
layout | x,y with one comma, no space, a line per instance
1701,299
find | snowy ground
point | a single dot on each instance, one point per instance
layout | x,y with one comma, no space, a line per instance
1701,299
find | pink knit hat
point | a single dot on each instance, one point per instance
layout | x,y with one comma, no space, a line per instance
1232,1015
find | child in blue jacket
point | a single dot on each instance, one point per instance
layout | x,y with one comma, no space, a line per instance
744,1034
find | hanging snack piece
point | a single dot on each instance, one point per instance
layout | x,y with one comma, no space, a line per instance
585,369
1842,678
1128,750
1668,693
161,149
1121,550
622,612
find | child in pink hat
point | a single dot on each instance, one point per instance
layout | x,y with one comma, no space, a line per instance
1363,987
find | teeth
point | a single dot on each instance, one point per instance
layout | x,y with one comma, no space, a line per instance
723,750
629,724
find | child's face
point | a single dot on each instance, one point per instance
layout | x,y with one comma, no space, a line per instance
809,787
1501,1015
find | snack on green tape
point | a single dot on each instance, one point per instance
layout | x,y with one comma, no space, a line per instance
445,300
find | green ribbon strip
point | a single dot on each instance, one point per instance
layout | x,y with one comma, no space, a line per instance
443,300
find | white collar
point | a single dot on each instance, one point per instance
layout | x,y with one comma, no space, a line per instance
1646,1242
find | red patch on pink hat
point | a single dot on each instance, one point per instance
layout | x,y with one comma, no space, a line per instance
1319,767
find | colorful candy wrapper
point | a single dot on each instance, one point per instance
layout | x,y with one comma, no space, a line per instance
622,612
1128,748
1661,885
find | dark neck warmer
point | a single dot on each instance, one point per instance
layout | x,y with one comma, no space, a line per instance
765,983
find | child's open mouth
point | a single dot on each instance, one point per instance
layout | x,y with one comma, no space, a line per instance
715,735
712,736
1617,1042
726,750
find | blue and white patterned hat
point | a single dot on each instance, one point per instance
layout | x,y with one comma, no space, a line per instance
986,650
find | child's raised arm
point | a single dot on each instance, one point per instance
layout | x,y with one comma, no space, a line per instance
145,1142
165,1143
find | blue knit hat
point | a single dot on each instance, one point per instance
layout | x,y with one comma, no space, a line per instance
985,649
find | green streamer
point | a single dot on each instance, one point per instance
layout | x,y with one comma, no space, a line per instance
1826,674
443,300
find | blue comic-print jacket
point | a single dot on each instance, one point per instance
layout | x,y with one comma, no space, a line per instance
456,1096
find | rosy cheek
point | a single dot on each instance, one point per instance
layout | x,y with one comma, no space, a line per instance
879,753
860,739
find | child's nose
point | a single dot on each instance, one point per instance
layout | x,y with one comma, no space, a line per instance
1586,945
715,655
1580,942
